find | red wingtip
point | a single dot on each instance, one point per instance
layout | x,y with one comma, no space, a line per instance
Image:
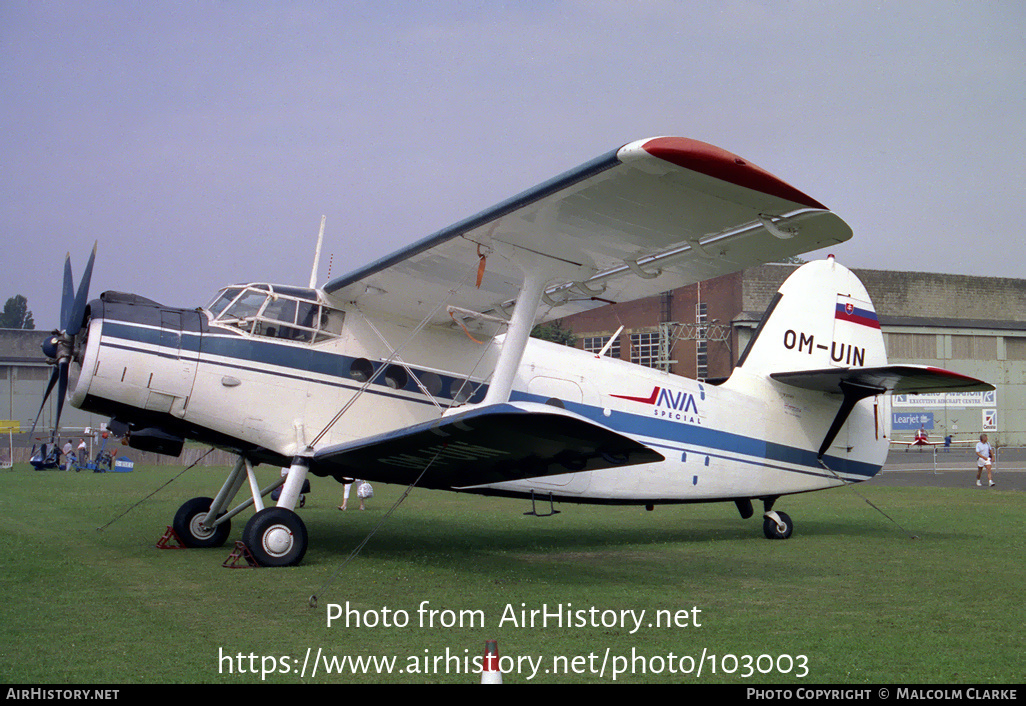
719,163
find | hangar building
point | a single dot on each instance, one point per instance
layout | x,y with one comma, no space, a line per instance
24,374
972,325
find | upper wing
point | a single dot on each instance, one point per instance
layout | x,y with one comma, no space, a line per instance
651,216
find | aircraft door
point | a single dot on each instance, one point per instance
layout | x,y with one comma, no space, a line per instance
555,389
174,368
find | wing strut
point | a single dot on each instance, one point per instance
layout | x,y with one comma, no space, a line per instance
536,276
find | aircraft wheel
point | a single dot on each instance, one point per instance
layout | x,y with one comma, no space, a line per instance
188,525
773,531
276,537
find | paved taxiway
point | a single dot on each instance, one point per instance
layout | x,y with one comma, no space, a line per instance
954,468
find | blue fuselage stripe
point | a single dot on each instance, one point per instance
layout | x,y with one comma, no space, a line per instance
305,361
699,439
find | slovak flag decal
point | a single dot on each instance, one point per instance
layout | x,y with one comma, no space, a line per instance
856,312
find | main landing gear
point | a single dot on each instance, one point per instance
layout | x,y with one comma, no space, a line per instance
191,530
275,536
775,525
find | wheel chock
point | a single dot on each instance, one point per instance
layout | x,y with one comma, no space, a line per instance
170,536
241,551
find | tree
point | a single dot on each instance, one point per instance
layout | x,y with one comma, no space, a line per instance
16,314
556,332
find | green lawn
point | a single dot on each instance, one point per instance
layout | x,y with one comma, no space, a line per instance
848,599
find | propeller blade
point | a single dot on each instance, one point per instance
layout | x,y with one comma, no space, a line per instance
81,299
49,388
68,296
62,390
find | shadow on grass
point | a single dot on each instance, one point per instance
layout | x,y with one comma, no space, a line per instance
717,550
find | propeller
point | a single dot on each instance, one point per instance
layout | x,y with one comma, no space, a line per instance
60,346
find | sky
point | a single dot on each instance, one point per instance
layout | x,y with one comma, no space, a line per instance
199,143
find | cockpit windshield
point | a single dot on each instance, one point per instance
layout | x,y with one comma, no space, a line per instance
289,313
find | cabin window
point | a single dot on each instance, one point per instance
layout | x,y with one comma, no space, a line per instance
431,382
308,315
396,377
361,370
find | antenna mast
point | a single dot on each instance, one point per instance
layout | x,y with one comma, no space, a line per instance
317,255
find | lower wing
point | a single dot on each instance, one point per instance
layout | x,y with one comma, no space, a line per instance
485,445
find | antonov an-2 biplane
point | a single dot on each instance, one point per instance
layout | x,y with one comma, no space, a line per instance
419,367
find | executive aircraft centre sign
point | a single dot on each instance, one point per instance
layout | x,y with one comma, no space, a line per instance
912,414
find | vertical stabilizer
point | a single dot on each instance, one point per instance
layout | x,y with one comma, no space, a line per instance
820,318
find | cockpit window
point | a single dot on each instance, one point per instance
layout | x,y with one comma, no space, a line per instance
288,313
247,305
281,310
223,299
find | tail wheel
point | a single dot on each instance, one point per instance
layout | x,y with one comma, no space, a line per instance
276,537
774,530
188,525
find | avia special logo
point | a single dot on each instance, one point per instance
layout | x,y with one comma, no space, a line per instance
671,404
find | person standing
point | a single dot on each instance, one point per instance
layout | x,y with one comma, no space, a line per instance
984,458
347,484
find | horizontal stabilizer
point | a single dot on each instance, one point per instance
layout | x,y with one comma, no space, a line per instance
484,445
900,379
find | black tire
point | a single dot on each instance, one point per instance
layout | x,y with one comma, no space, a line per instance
276,537
189,530
770,529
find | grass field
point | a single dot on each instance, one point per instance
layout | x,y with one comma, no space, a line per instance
848,599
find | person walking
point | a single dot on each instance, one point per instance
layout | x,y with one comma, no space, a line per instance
984,458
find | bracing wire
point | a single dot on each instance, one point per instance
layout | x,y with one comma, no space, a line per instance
360,546
395,353
867,500
194,463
